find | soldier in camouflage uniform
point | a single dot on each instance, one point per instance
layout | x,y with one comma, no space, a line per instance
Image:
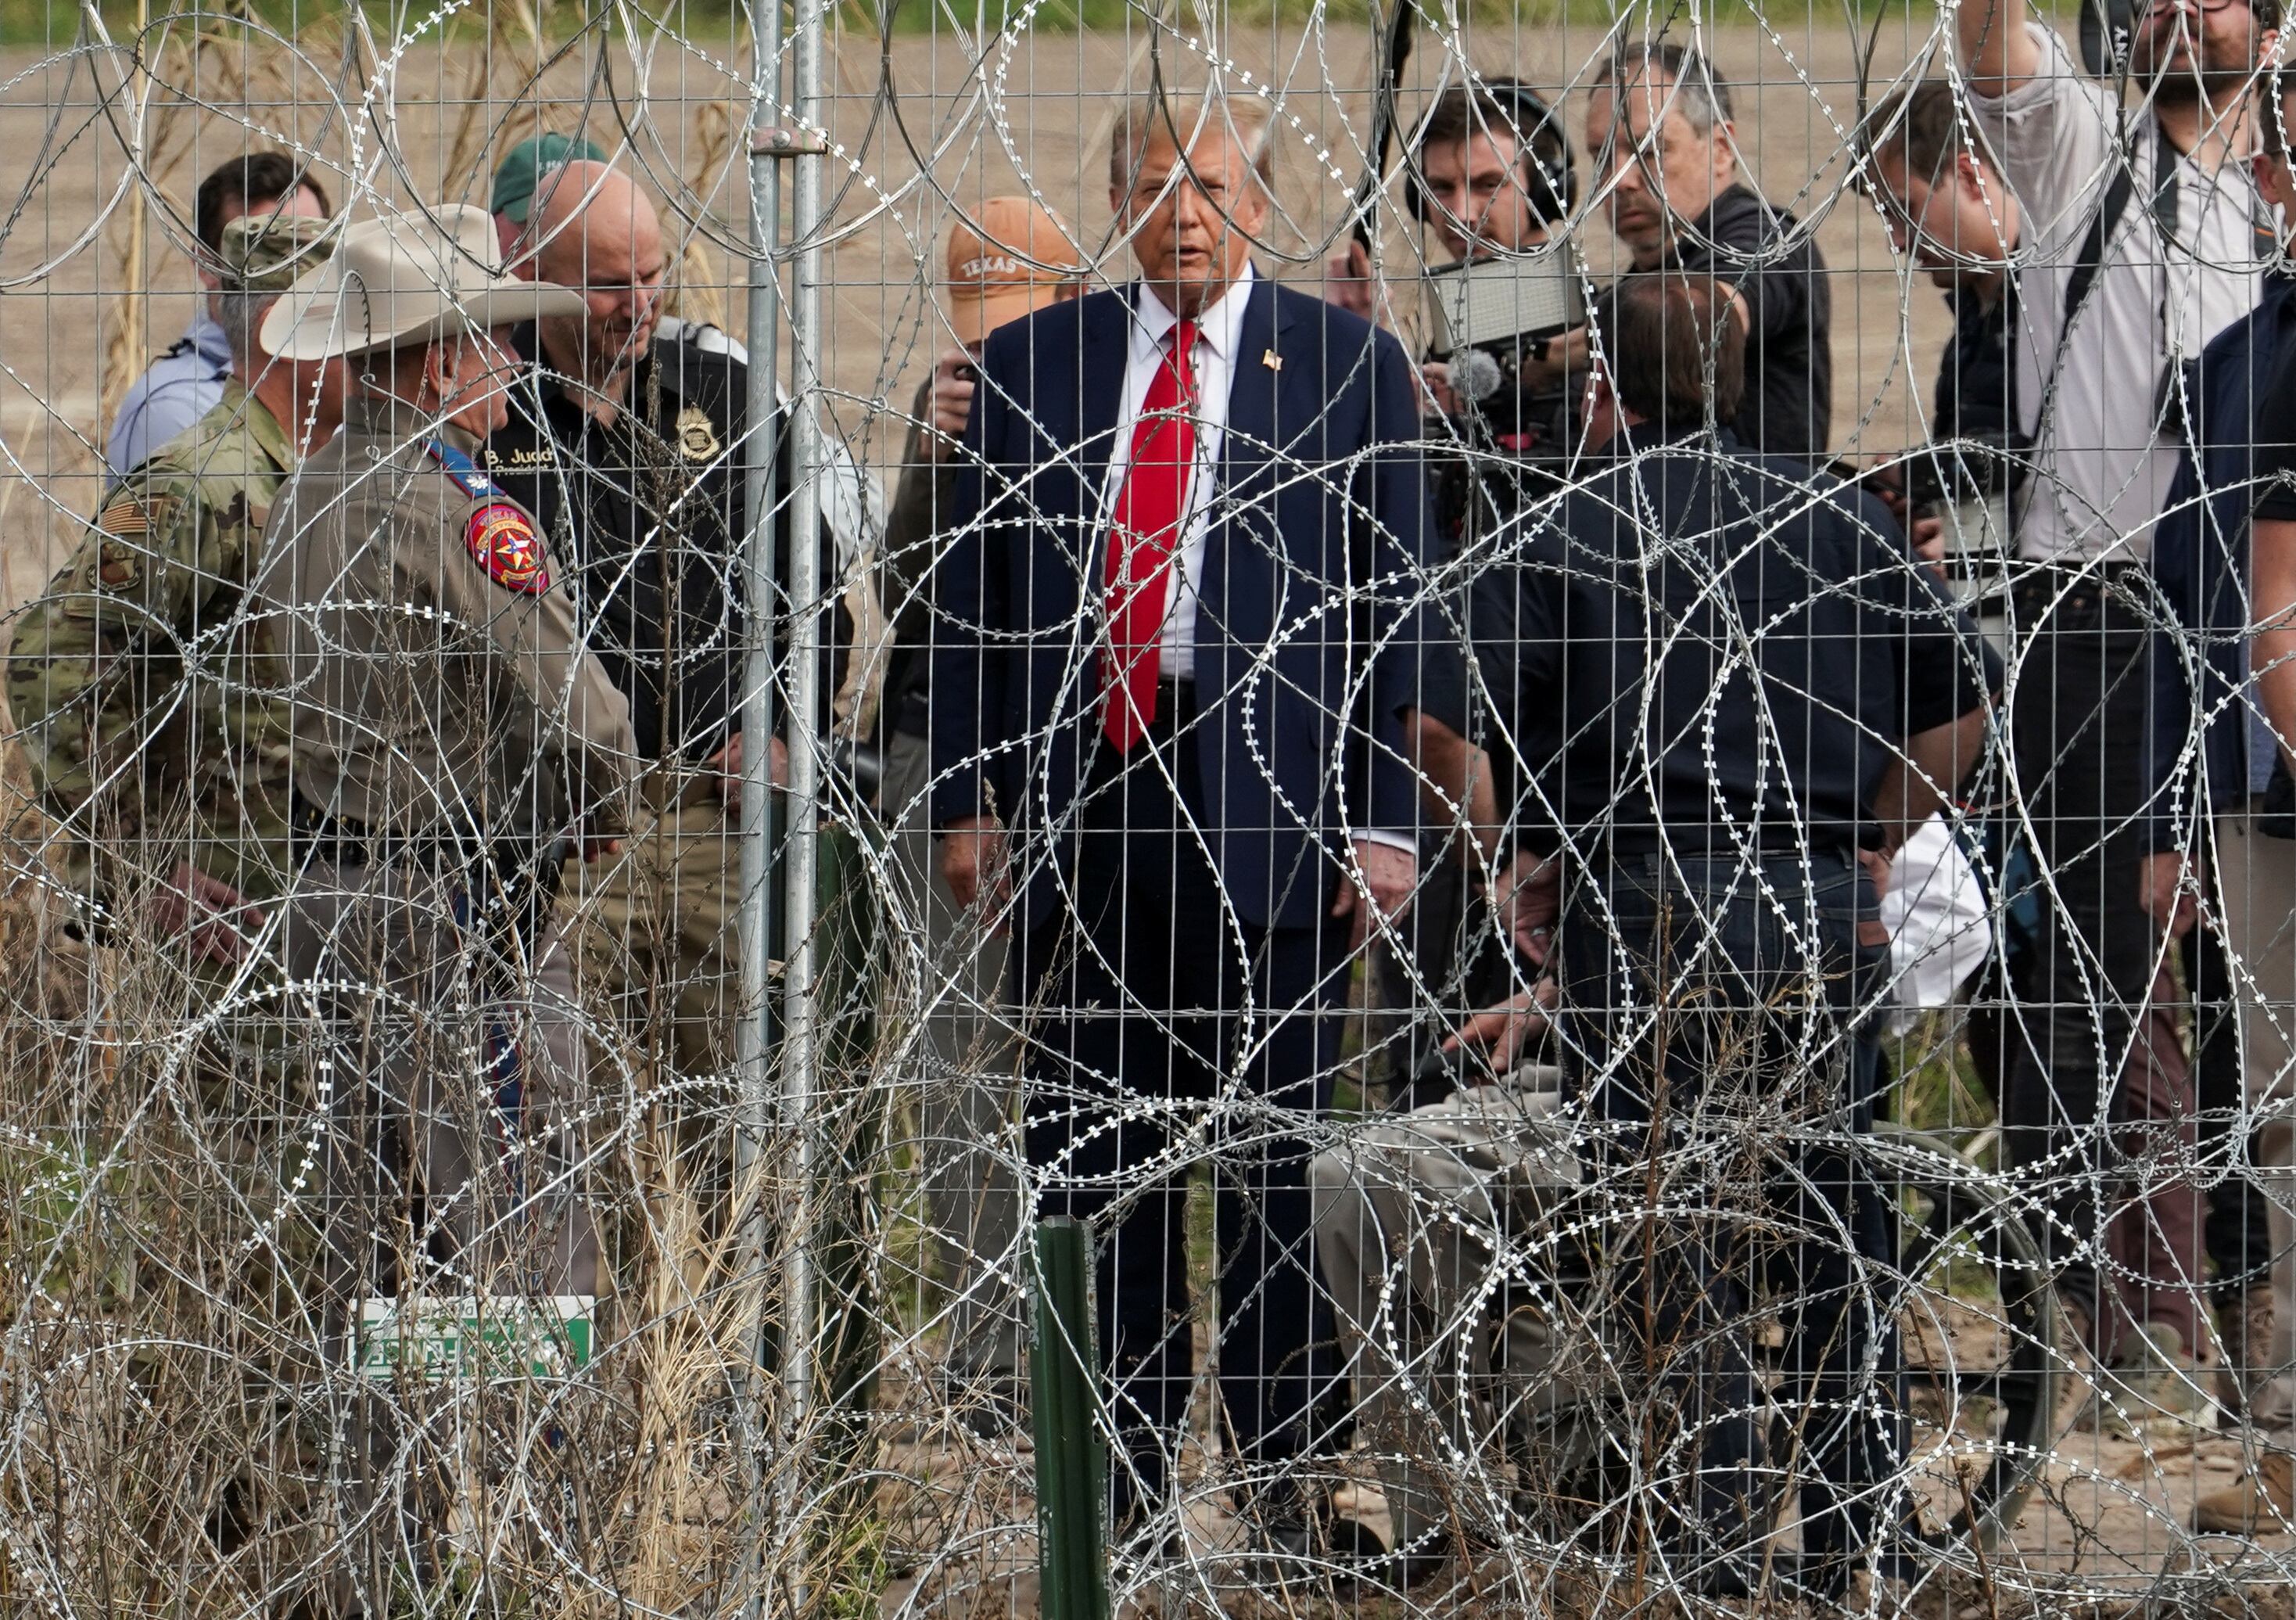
170,787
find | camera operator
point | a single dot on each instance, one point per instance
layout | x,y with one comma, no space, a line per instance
1950,212
1489,173
1663,143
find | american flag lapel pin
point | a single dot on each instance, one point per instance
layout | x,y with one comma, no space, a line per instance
1272,360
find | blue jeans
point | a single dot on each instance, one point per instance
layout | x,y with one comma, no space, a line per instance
1718,1024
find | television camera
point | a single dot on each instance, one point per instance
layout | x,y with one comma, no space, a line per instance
1493,321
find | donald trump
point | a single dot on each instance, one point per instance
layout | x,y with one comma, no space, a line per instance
1175,664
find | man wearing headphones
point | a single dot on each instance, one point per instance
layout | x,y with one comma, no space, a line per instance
1489,173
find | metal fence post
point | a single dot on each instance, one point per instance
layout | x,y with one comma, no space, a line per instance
1071,1457
800,846
754,1047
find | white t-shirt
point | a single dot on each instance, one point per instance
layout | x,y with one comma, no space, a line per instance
2105,460
1940,931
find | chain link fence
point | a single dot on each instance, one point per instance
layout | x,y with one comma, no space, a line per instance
1652,942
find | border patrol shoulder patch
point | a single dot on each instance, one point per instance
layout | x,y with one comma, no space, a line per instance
503,542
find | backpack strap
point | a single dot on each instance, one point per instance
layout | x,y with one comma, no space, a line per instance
2090,259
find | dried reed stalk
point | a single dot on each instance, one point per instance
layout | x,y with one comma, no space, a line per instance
698,293
514,32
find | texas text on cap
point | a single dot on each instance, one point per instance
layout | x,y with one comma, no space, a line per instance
1015,262
524,165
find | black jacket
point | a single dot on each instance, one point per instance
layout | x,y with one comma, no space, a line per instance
1320,510
652,513
1776,269
1749,662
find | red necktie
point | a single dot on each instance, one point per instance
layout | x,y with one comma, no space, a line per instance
1144,539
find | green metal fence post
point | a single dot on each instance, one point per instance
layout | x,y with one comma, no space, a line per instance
1071,1457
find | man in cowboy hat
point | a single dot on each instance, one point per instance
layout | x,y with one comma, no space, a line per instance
450,735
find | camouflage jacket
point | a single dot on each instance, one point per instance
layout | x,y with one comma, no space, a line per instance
126,678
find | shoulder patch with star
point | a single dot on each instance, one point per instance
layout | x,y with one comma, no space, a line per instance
503,542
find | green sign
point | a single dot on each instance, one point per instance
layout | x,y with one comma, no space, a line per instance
475,1338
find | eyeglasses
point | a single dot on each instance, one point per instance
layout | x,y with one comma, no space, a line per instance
2147,12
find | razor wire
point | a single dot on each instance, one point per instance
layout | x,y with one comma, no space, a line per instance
435,1231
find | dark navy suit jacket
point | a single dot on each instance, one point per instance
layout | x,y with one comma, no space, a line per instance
1309,639
2200,658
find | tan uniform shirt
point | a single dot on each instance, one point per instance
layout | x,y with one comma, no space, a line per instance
438,685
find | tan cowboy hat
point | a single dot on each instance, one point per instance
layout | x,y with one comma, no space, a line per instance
407,280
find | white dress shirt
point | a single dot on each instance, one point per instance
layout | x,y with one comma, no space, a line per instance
1219,332
2105,460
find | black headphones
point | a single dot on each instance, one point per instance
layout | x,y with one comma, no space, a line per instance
2106,29
1549,175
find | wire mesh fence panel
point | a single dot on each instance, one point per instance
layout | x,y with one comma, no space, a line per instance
1084,809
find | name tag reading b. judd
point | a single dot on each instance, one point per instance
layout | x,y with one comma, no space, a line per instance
476,1339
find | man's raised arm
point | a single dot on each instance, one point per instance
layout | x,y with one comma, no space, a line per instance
1997,54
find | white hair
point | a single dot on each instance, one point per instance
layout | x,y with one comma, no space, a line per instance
1248,118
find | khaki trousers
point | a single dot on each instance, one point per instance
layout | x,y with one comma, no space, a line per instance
2256,876
452,1058
656,940
654,936
448,1060
1411,1216
962,1065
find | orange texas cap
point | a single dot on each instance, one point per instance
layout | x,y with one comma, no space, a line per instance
1014,262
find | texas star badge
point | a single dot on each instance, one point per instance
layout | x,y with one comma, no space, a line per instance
695,434
504,544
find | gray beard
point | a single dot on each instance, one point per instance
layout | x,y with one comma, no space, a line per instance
597,370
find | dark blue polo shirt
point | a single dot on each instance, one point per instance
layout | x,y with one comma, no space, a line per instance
1699,640
2241,457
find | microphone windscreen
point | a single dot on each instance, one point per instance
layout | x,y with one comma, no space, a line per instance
1475,375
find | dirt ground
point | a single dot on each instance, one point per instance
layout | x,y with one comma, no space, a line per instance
2105,1533
926,125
